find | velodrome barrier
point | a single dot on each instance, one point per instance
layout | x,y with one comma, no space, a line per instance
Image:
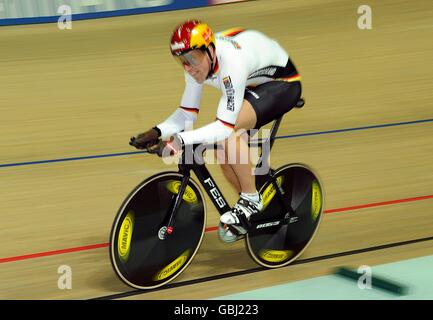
16,12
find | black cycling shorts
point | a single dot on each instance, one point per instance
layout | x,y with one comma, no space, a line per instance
272,99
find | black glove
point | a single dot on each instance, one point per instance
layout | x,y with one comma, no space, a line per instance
145,140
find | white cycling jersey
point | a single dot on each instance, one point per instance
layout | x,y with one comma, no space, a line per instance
243,58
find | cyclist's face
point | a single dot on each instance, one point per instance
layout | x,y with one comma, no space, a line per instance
196,63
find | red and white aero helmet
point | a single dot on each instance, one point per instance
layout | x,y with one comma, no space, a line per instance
190,35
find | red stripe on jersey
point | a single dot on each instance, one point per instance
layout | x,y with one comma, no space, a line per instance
190,109
233,32
227,124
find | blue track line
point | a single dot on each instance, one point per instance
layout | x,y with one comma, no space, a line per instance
70,159
354,129
278,137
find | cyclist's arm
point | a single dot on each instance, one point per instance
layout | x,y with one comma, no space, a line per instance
177,121
187,113
211,133
233,88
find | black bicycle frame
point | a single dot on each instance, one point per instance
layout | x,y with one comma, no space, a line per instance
206,181
192,159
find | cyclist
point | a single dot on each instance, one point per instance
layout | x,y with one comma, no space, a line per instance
258,82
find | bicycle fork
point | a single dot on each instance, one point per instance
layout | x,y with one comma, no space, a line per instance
167,228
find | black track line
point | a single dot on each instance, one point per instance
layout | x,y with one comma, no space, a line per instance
259,269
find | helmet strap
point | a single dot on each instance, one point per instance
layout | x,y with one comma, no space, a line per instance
212,64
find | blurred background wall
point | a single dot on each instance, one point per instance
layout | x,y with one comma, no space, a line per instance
28,11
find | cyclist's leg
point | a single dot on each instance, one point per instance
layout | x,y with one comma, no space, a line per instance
237,149
247,117
261,105
273,99
266,103
237,153
227,170
234,158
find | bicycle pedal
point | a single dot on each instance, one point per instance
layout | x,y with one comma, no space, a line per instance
240,229
226,234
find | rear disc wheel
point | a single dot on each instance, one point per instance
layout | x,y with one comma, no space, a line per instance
278,244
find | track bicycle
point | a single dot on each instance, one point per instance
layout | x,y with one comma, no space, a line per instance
161,223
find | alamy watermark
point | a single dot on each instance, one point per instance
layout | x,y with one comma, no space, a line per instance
365,20
364,281
65,279
65,20
233,150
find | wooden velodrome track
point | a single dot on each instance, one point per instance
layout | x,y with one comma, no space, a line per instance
85,91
